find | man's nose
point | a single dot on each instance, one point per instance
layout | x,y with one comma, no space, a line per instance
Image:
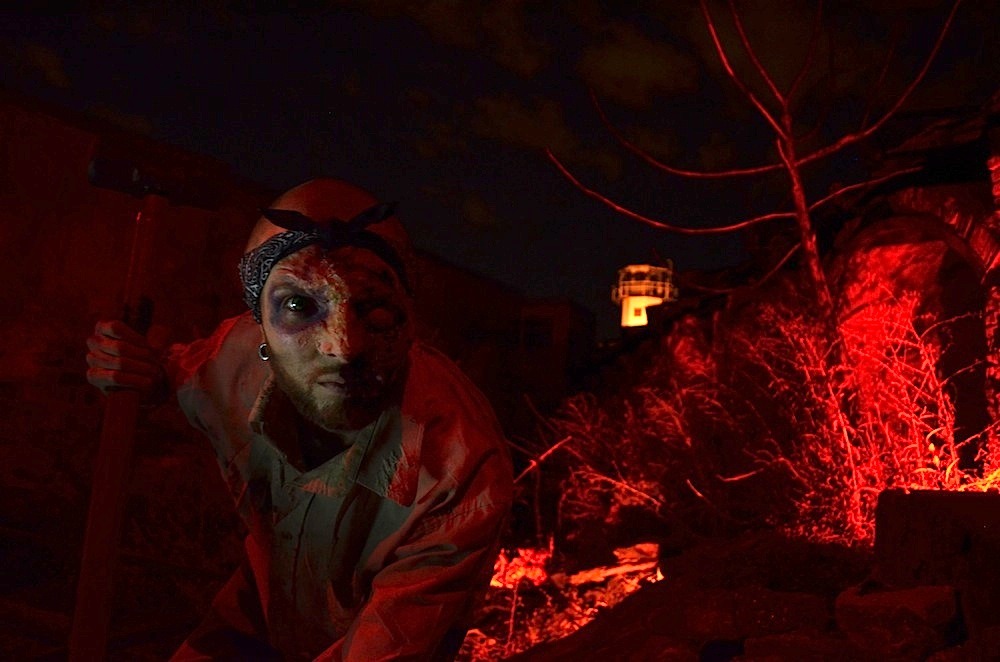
341,336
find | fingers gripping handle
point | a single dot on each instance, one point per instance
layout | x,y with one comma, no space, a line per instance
92,615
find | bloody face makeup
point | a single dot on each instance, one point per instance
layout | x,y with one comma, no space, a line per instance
338,330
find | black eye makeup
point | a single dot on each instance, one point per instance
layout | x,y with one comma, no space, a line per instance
300,305
291,306
297,303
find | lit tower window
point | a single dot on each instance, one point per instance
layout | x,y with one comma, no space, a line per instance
640,286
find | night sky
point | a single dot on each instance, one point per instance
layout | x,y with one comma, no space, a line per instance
447,107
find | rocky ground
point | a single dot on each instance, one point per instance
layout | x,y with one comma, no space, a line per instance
755,597
928,591
762,597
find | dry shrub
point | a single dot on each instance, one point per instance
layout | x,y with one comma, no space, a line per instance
657,447
782,419
772,418
864,410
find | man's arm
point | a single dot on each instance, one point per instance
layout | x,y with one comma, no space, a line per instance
436,575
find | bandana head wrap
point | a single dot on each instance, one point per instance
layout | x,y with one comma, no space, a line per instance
302,231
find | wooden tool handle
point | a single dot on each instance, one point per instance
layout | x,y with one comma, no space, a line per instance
95,586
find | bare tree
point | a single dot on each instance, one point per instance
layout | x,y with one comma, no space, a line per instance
777,108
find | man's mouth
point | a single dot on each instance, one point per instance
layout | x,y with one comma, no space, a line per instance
331,380
332,383
349,383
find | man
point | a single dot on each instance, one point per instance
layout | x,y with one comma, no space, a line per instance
371,475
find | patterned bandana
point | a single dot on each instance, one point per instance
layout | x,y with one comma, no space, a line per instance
302,231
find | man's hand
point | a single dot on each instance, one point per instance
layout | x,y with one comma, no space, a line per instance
119,358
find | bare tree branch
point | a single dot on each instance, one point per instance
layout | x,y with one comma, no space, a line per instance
721,52
810,54
860,185
877,85
852,138
659,165
536,462
661,224
831,76
757,283
776,268
752,54
807,231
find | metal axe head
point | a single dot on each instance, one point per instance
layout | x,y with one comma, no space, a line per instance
145,168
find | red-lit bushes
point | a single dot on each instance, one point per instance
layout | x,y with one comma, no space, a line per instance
764,415
865,410
775,418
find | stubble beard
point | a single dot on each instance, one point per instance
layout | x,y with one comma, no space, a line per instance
331,414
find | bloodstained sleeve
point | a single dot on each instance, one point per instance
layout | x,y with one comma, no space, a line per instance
436,576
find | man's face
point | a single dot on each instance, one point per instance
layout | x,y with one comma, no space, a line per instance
338,329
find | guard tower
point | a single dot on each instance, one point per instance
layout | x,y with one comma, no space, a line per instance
640,286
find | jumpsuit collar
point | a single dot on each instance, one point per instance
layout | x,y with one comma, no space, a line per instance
387,462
